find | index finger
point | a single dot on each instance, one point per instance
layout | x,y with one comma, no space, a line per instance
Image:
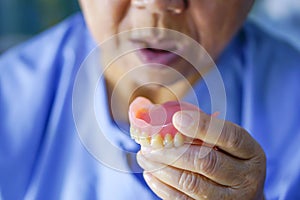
227,136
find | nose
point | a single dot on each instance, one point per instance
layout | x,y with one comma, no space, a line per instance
160,6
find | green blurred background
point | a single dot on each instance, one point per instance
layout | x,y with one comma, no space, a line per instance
20,19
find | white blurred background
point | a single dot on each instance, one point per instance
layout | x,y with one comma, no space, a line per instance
281,17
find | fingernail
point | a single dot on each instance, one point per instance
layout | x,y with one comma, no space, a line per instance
183,119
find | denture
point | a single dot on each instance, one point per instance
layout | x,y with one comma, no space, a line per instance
151,124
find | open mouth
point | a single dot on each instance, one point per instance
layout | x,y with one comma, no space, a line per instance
158,56
156,50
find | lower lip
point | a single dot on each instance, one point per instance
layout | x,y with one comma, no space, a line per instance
158,57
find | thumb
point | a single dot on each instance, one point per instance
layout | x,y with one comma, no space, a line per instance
186,122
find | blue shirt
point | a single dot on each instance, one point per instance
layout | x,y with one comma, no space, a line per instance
43,157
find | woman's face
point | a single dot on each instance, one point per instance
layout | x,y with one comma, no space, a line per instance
211,23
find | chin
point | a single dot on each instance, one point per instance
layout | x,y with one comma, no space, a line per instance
157,74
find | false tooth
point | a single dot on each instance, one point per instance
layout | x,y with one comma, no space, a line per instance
137,140
145,142
168,141
144,134
133,133
145,139
157,141
178,140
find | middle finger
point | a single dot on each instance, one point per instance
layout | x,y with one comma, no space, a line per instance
190,183
215,165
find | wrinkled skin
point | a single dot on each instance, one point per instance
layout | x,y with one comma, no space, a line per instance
237,170
211,23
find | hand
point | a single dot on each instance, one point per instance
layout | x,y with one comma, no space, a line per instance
236,170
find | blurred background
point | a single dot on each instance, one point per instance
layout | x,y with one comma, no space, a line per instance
280,17
20,19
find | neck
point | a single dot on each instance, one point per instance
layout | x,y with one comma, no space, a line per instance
121,94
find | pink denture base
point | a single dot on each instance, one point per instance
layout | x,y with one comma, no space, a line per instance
152,118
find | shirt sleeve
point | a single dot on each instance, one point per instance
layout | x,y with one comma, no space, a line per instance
27,86
30,77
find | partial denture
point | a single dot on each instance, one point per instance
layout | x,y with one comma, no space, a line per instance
151,125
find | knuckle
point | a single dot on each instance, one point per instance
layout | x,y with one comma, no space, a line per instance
263,157
232,137
261,154
188,182
203,126
182,197
209,163
250,184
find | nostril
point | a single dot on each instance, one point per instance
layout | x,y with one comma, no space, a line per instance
186,4
174,6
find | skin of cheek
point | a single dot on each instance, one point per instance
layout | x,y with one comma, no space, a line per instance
217,21
104,17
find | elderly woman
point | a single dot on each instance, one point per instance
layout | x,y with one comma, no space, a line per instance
255,155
